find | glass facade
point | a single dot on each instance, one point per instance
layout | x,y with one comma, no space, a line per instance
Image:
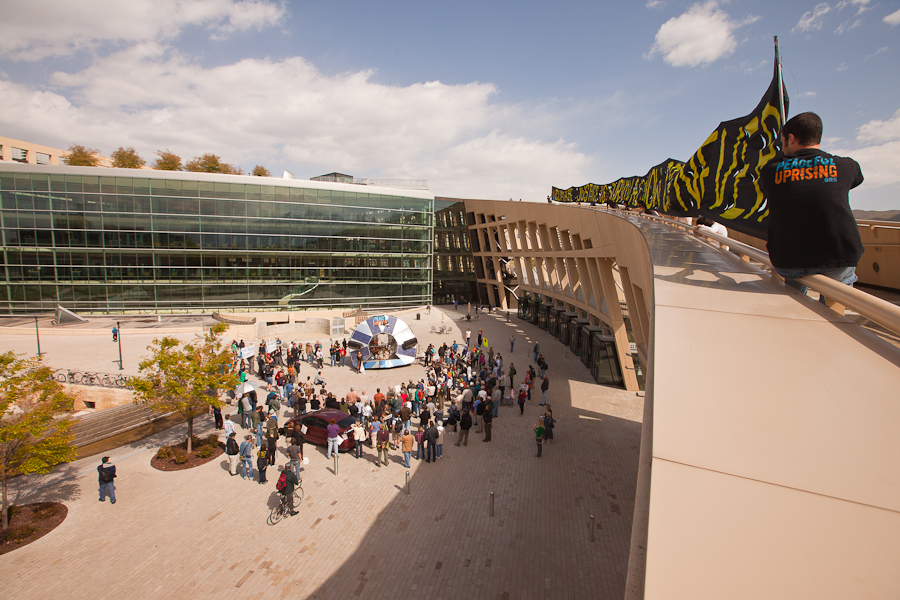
454,264
111,240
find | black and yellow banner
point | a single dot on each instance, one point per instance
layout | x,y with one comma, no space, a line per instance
720,181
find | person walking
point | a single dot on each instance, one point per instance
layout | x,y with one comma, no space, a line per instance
465,424
232,452
544,387
548,425
229,426
107,474
440,439
536,350
271,440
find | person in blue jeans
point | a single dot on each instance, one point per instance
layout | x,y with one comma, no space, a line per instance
406,445
246,453
334,437
107,473
512,341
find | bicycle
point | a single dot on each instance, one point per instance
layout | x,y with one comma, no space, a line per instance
68,376
90,379
280,510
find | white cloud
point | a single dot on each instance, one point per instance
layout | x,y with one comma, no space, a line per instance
862,4
877,131
877,52
842,67
699,36
893,19
43,28
261,111
656,4
878,152
808,94
812,20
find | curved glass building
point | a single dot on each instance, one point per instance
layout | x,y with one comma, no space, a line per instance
100,240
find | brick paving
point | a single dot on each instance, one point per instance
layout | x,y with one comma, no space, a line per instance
201,533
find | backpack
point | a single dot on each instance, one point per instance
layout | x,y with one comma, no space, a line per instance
282,482
105,476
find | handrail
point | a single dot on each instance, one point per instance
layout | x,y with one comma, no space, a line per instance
875,309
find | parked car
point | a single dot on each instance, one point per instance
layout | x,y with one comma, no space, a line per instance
316,423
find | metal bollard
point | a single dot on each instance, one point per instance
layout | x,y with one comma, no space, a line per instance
592,528
492,504
335,463
407,483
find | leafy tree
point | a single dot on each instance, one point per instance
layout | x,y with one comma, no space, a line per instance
211,163
261,171
167,161
127,158
81,156
185,378
34,431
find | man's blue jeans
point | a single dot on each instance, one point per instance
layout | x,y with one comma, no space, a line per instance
845,275
543,398
259,433
333,444
247,465
107,489
406,457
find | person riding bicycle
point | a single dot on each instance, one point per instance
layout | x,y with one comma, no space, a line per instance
285,487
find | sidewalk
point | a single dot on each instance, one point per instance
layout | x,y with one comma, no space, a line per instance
200,533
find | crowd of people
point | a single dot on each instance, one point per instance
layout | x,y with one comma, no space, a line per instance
464,387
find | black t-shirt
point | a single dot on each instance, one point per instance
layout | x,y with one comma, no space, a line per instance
810,221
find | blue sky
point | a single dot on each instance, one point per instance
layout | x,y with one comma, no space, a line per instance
484,100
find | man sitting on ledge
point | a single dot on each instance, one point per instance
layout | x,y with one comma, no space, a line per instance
811,227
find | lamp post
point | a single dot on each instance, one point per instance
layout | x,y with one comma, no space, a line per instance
119,338
37,334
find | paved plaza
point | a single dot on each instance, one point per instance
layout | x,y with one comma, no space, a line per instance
201,533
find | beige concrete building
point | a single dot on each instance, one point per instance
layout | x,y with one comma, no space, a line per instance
27,152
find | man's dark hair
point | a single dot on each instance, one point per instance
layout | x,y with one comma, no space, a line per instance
806,127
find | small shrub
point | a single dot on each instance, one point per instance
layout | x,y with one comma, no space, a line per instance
212,440
205,451
195,442
180,457
164,453
46,511
20,534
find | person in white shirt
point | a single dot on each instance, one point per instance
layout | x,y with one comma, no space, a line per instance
229,426
717,228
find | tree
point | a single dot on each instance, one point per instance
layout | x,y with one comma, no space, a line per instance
81,156
186,379
261,171
167,161
34,431
211,163
127,158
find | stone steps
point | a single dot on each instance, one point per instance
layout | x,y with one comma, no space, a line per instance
112,421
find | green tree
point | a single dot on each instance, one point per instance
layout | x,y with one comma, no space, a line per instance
127,158
34,431
211,163
186,379
81,156
167,161
261,171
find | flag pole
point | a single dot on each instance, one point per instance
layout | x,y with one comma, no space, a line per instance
780,84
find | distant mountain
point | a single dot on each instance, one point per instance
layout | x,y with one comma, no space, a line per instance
877,215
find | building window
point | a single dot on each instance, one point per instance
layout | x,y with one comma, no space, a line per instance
41,158
19,155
